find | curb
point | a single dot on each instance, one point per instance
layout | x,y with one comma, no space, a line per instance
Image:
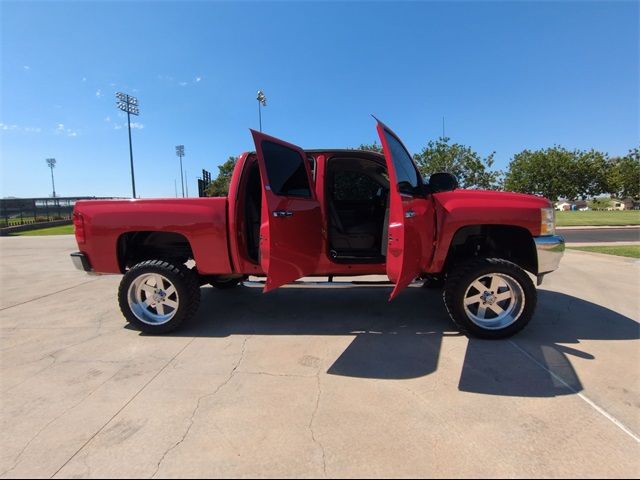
597,227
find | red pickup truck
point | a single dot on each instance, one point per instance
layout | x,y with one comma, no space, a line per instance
293,213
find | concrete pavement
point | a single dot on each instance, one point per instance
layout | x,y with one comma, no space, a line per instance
314,382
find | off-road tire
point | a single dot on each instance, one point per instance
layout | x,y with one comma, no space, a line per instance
186,285
459,280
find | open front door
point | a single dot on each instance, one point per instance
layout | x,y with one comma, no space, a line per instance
410,216
291,230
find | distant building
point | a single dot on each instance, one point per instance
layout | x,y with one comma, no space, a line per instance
625,204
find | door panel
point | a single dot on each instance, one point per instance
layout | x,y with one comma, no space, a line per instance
410,217
291,229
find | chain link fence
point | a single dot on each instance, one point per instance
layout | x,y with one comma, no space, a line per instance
26,211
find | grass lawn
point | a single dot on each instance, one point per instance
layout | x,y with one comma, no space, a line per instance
623,217
61,230
632,251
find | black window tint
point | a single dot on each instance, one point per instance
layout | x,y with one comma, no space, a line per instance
406,172
286,171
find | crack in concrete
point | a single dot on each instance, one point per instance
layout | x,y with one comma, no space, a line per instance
124,406
197,408
311,422
16,460
48,295
54,355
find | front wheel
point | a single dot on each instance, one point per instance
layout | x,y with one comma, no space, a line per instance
156,296
490,298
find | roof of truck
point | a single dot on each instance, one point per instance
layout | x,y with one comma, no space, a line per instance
344,151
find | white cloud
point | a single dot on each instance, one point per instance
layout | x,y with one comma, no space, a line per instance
62,130
198,79
183,84
99,93
26,67
134,125
84,79
17,128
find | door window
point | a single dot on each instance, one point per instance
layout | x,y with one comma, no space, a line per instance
406,172
286,170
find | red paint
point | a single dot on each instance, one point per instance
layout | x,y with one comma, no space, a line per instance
461,208
290,246
202,221
411,224
298,245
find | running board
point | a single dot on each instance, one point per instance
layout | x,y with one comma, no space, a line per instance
345,284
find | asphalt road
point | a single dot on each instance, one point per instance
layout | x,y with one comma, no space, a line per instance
604,235
311,382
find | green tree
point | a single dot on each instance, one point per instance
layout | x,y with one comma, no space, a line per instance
558,173
471,170
220,186
623,179
372,147
599,203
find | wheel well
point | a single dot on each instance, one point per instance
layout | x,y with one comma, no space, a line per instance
501,241
135,247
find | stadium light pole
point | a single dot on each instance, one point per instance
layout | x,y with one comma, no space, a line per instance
129,104
262,102
180,153
51,163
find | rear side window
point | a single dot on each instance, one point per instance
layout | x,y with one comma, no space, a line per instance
406,173
286,171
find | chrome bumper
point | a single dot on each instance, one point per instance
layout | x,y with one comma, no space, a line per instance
550,250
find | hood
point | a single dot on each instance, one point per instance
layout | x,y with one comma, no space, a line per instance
487,198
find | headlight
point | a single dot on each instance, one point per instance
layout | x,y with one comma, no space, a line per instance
548,221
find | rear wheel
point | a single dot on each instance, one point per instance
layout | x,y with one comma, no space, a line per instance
490,298
156,296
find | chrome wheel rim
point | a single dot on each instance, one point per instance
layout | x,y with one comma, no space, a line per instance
153,299
494,301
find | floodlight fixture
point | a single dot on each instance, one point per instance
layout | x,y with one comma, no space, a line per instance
51,163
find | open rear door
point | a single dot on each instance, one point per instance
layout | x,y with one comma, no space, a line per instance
410,215
291,230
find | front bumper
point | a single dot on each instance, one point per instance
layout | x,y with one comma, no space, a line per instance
550,249
81,262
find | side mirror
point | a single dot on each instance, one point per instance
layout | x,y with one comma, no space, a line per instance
442,182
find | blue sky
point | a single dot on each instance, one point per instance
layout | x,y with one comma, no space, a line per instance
506,76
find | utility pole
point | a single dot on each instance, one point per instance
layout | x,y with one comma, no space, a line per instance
186,183
129,104
175,186
51,162
262,102
180,153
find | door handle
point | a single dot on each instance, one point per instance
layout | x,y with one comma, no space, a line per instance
282,213
409,214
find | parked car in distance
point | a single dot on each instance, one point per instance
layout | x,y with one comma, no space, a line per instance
293,213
